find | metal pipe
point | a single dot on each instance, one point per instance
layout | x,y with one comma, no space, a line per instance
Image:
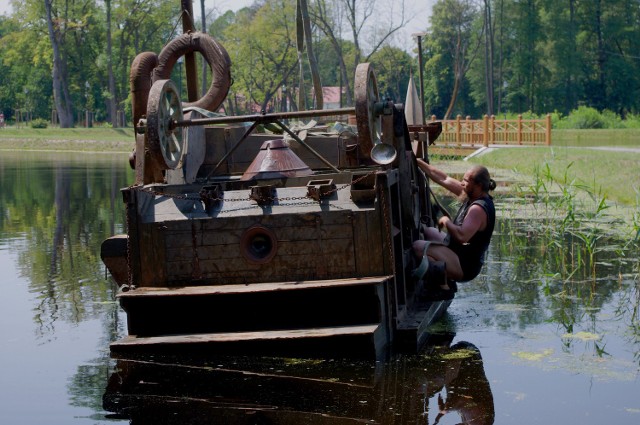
264,118
421,77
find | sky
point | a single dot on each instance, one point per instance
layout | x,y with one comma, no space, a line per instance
418,10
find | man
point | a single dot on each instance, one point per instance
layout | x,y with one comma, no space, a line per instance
458,254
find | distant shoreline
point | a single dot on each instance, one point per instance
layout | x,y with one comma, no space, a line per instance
67,140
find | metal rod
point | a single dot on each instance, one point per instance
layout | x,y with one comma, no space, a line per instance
421,78
309,148
262,118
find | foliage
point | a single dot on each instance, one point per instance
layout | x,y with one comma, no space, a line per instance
39,123
546,56
262,49
392,67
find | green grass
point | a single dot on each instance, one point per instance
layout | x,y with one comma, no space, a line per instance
615,175
67,139
603,137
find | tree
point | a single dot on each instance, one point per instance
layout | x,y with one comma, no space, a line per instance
393,68
261,45
488,55
110,76
61,95
454,41
369,30
303,12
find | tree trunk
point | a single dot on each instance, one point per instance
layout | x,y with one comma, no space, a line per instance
323,22
500,56
61,96
602,59
302,96
313,64
488,49
204,87
113,114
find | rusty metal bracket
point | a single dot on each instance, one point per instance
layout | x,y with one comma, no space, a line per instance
318,189
263,195
210,197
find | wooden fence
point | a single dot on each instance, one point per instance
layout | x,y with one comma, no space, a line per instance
468,133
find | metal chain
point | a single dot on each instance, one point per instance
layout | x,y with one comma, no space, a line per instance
186,197
129,269
387,225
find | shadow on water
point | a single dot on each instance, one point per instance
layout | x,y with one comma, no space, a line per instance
445,380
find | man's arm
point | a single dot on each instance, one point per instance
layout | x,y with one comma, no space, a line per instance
475,220
441,178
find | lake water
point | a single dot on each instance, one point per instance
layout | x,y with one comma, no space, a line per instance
538,337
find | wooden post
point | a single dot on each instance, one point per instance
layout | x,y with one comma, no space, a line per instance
458,135
519,136
548,131
485,131
492,129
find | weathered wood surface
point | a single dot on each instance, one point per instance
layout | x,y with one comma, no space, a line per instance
248,336
364,341
322,242
256,287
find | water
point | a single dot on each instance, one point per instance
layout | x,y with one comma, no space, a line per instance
537,338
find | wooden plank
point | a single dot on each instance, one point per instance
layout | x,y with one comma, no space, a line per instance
325,265
247,336
252,288
152,261
282,234
368,244
360,341
361,244
230,249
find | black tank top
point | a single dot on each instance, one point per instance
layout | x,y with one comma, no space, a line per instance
472,253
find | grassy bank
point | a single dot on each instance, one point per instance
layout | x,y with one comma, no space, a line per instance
615,175
67,139
601,137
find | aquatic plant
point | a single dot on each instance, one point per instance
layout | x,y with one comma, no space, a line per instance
573,218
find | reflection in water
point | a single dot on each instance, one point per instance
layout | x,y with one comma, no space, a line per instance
57,209
467,392
538,308
450,380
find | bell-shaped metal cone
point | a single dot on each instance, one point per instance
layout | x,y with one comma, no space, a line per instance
276,160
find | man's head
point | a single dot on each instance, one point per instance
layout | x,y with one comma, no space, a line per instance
479,177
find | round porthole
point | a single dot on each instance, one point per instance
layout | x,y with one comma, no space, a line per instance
258,245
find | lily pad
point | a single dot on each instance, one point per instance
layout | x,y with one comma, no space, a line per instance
583,336
534,357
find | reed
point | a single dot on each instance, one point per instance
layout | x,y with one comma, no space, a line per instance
573,220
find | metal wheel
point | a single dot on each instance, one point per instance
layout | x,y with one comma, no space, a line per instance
366,96
164,139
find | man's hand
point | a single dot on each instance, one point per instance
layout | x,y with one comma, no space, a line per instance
442,223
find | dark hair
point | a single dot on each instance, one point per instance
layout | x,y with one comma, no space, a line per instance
481,176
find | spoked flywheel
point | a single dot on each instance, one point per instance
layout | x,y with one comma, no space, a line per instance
164,108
